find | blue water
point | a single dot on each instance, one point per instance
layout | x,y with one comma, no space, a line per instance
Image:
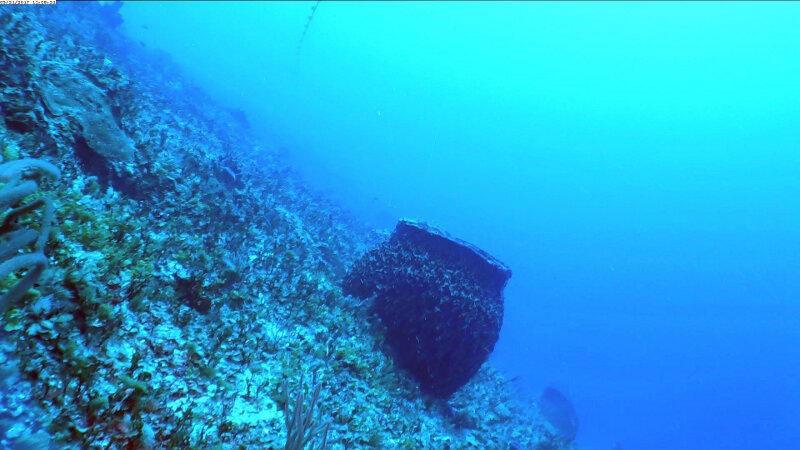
637,165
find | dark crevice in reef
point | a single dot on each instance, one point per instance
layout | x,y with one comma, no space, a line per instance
92,163
97,165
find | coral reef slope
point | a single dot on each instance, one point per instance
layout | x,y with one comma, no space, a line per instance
191,276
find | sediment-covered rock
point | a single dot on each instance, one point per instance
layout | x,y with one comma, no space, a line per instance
440,298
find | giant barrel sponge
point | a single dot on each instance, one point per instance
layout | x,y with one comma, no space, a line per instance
440,298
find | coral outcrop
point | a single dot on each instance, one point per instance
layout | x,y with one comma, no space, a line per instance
440,298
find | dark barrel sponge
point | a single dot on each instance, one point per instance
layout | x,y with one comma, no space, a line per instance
440,298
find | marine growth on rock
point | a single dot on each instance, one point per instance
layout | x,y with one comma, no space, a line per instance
440,298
